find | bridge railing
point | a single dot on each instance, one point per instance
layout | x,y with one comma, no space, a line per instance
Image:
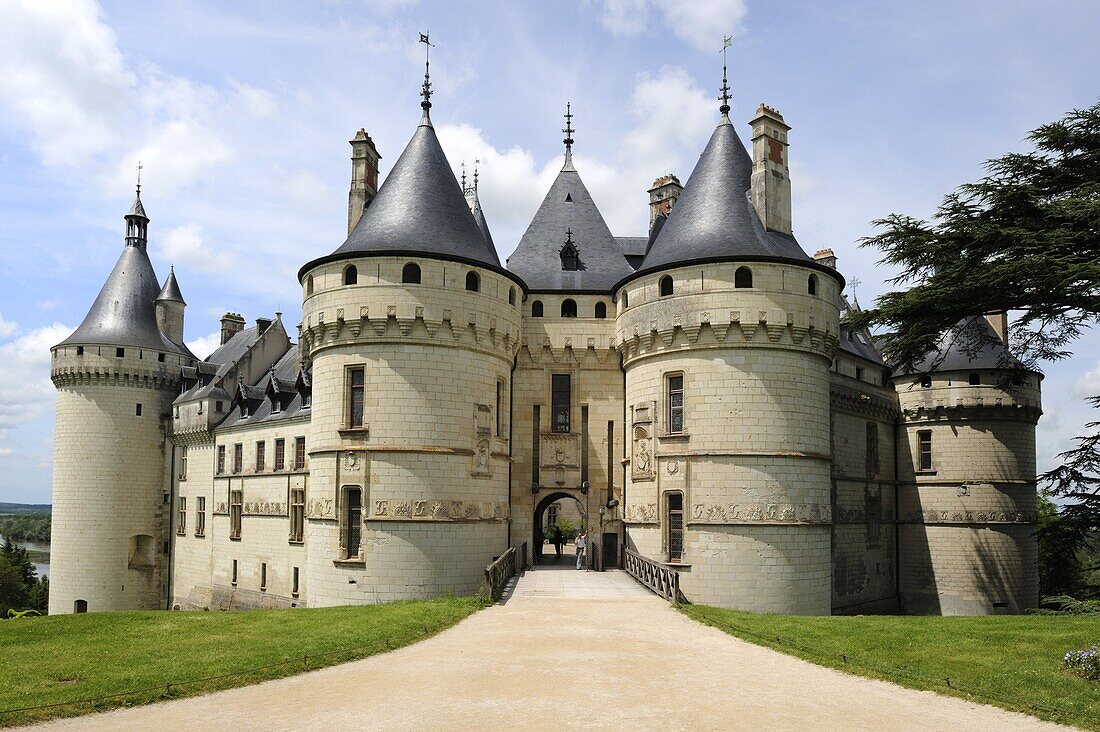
663,580
499,572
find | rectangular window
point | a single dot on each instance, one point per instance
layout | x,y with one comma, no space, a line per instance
873,512
924,450
263,576
181,522
200,517
500,408
137,410
560,397
535,456
610,460
584,444
183,463
299,453
261,456
236,506
221,459
353,514
872,449
297,514
280,454
355,397
233,579
294,585
676,404
675,526
238,458
120,352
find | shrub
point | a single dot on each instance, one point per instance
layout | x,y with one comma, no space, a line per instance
1084,663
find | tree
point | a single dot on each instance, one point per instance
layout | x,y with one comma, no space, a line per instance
38,598
1059,564
1026,239
13,592
18,558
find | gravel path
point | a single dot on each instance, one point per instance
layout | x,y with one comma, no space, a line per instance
570,650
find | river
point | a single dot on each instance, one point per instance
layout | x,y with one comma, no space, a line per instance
43,568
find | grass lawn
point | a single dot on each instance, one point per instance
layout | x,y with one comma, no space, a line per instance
70,657
1010,661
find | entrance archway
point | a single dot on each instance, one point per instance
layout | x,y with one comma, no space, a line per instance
570,517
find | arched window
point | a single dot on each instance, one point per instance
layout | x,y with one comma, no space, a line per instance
601,310
625,306
742,278
410,274
309,285
925,382
811,285
511,296
351,275
569,308
536,309
473,282
975,378
666,285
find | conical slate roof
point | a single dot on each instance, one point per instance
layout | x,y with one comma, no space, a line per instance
171,289
568,210
713,219
419,209
479,216
970,344
124,314
136,208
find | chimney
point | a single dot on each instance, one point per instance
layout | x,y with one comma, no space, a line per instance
825,257
263,324
232,323
999,321
662,196
364,176
771,176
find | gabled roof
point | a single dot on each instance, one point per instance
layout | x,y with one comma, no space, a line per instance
568,210
419,209
171,289
714,220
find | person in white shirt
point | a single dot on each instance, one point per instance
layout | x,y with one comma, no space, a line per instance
582,544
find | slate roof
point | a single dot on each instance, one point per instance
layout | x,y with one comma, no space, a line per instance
171,289
419,209
279,387
208,372
479,216
858,343
136,208
970,344
568,206
713,218
124,313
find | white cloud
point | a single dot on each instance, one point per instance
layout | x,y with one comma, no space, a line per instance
1088,383
6,452
702,23
205,345
26,391
185,246
7,327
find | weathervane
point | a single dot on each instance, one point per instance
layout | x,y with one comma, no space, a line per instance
568,133
426,91
464,176
727,41
477,162
139,167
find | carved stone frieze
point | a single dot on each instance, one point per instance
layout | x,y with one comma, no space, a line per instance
264,508
321,508
766,513
437,510
640,513
641,460
966,517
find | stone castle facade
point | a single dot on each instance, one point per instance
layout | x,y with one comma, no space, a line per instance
697,391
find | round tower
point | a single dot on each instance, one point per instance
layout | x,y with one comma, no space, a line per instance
966,477
727,331
411,327
116,376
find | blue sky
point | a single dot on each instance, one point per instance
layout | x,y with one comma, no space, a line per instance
241,112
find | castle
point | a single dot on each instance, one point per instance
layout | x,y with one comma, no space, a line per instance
697,391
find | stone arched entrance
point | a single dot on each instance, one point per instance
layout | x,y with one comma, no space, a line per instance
539,516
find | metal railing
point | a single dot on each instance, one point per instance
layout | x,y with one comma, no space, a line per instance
663,580
499,572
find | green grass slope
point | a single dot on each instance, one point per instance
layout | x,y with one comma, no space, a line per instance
1009,661
67,658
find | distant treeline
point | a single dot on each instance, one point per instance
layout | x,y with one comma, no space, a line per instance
26,527
24,507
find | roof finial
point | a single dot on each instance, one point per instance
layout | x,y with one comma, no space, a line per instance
568,136
464,190
139,167
477,161
426,90
727,41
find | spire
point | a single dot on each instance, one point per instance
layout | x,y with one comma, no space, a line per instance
426,89
465,189
171,289
568,137
137,223
477,161
727,41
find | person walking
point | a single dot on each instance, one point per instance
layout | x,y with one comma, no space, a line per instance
582,544
558,540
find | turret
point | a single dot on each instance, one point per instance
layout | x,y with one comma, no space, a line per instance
170,306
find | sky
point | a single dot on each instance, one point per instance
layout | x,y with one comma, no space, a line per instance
240,114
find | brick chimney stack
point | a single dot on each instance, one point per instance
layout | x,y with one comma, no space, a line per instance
825,257
662,196
771,176
364,176
999,321
232,323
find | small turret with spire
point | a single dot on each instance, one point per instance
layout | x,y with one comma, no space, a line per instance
137,223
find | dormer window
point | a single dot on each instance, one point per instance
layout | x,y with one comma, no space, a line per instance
570,256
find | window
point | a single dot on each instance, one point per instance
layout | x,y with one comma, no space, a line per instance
80,606
238,458
601,310
351,275
353,513
625,306
261,456
925,382
410,274
80,350
872,510
236,507
221,459
811,285
975,378
924,450
570,257
560,388
233,577
569,308
181,522
473,282
218,406
500,408
676,404
511,296
299,453
160,357
309,285
536,309
280,454
294,583
552,514
137,410
859,373
355,397
535,444
263,576
872,449
742,278
200,517
297,514
183,463
666,286
120,352
675,523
